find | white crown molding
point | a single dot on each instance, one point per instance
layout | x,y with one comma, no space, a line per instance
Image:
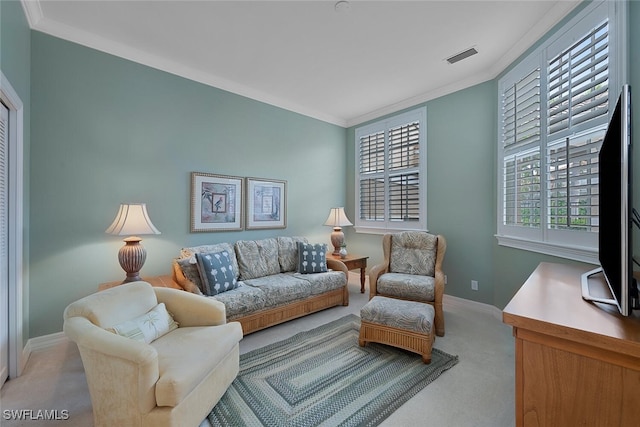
33,12
550,19
421,98
39,23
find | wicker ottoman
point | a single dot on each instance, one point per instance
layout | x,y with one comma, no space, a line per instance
398,323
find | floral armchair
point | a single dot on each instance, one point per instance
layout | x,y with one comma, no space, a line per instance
412,270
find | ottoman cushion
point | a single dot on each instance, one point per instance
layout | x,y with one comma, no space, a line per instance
400,314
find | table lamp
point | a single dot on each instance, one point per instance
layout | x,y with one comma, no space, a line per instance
132,220
337,219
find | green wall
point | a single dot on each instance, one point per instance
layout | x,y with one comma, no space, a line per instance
15,63
110,131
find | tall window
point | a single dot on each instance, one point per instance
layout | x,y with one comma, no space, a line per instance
391,173
554,107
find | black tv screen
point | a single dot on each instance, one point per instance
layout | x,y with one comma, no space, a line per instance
615,208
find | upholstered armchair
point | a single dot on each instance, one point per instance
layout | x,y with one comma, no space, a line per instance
153,356
412,270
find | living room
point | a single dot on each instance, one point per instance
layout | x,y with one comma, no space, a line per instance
101,130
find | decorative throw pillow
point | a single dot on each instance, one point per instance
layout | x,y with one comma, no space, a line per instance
216,272
148,327
312,258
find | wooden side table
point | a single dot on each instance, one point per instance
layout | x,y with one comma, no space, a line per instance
157,281
354,262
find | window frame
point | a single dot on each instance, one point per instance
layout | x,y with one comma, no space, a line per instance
384,125
575,245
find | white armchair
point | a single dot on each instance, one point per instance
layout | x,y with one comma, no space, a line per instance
176,379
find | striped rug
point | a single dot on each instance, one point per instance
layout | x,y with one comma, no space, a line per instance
323,378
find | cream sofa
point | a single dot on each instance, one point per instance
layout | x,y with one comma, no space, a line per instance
176,379
271,284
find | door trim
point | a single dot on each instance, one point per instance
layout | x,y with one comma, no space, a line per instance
18,280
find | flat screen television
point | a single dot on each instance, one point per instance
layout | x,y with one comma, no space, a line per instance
615,210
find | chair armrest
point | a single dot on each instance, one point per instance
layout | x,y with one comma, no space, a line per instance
439,273
337,265
190,309
374,273
128,369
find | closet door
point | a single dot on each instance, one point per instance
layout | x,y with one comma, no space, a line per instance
4,243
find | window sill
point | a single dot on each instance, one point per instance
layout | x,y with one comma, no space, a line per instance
373,230
576,253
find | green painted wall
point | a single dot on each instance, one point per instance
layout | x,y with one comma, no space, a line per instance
15,63
110,131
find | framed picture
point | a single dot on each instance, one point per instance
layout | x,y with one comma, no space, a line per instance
216,202
266,203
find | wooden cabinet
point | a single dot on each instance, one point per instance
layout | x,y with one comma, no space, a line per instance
577,363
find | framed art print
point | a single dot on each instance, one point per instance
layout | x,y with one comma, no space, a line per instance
216,202
266,203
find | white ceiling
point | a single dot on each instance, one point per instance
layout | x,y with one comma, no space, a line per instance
306,56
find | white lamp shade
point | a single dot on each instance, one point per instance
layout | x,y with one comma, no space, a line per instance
132,220
337,218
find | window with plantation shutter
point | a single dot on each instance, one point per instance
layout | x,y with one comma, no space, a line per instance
391,168
553,112
579,82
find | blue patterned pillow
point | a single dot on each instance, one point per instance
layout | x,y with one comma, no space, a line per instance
216,272
312,258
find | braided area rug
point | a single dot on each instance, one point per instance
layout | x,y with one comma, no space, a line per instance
323,378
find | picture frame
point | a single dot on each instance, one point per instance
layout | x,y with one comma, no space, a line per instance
216,202
266,205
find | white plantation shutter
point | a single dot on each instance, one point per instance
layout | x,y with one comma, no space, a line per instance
579,82
521,110
553,112
390,164
372,194
522,196
573,182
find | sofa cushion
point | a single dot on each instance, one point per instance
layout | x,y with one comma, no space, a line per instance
257,258
407,286
281,288
182,363
216,272
241,301
312,258
324,282
288,253
406,315
413,253
148,327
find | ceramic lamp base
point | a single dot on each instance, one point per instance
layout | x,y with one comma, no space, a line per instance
132,257
337,240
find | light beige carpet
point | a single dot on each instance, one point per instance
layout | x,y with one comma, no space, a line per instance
478,392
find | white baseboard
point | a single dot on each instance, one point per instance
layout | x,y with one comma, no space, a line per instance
41,343
462,303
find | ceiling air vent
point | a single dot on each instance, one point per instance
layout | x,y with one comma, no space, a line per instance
462,55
